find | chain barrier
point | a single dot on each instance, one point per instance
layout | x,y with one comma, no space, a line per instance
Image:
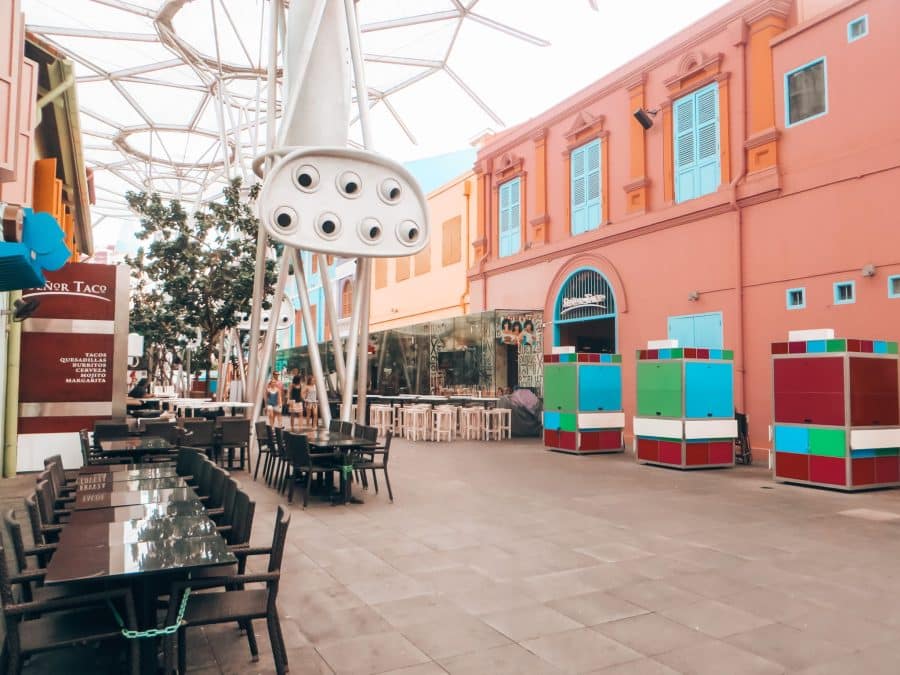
152,632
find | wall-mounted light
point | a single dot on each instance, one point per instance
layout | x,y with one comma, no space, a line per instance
868,270
693,296
644,117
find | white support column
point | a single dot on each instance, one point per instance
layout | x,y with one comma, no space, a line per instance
331,317
315,359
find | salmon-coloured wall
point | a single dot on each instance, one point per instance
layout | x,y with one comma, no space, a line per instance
817,205
441,292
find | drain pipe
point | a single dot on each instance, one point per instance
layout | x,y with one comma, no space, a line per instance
467,193
11,420
739,228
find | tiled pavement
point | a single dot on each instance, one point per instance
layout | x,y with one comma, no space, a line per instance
503,558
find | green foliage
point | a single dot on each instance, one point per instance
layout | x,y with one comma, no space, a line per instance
194,272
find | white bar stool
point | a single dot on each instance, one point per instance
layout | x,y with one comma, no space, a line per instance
442,424
415,423
471,423
492,429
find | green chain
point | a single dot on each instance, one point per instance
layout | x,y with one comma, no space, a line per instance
152,632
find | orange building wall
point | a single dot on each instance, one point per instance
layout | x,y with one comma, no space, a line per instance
814,203
442,291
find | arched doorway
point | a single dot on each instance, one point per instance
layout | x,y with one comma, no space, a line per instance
584,314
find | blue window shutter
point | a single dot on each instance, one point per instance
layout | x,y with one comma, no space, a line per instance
696,130
577,188
510,214
685,148
697,330
681,328
592,178
708,163
708,330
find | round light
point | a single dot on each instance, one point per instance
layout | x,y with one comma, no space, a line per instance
307,177
349,184
408,232
328,225
285,219
370,230
390,191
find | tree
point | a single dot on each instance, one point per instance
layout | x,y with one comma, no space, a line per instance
195,273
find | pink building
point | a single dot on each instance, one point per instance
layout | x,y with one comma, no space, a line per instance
757,200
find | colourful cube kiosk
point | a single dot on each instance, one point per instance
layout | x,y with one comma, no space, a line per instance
583,403
685,407
836,413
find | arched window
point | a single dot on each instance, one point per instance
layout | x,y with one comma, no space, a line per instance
346,299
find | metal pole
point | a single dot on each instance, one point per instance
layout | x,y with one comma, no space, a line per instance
259,385
220,384
353,347
363,265
331,314
315,359
261,238
11,422
240,359
298,75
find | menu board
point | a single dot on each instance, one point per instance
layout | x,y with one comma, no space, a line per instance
74,352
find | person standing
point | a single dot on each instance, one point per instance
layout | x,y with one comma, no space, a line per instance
312,402
274,400
296,400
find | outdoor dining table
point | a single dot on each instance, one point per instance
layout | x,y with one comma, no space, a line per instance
135,447
324,442
86,500
166,483
89,478
162,538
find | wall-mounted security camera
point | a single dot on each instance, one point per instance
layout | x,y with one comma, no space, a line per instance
344,202
22,309
645,117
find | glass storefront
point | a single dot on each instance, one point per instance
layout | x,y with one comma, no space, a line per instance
487,353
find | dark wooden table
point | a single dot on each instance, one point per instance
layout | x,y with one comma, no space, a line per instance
89,499
122,474
110,485
332,443
136,446
150,538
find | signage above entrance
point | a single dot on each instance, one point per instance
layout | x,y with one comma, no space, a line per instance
584,296
597,300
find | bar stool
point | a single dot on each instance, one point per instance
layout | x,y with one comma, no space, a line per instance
505,422
415,423
442,423
470,423
381,417
492,429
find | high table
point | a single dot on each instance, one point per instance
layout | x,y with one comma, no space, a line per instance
159,539
325,442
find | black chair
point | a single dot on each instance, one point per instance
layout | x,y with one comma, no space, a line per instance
44,625
263,434
200,433
215,505
346,428
167,430
303,465
187,460
50,515
33,586
64,490
334,426
237,603
283,468
369,461
235,435
241,523
232,487
365,433
41,533
70,478
104,430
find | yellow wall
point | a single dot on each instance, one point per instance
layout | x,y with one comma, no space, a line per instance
441,291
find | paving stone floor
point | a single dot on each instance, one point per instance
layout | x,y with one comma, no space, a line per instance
503,558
